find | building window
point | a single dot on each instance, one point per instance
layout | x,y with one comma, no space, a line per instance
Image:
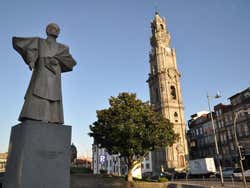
192,144
201,132
173,92
226,119
147,165
147,157
239,131
225,137
224,150
232,146
217,113
220,111
246,129
202,142
221,138
219,124
229,134
222,123
197,132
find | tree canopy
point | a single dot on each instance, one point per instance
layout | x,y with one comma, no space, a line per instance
131,128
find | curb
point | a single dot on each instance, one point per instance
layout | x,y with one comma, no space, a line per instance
184,185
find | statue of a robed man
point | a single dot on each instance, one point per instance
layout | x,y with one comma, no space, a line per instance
47,59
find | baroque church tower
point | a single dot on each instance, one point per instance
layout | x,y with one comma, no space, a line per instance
165,95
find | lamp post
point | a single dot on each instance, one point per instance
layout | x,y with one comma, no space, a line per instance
215,138
237,144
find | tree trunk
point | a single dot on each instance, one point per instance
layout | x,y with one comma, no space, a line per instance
131,165
130,169
130,177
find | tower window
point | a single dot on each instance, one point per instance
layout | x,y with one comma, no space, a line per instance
176,117
162,27
153,69
173,92
175,114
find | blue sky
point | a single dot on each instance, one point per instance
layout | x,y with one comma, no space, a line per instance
110,41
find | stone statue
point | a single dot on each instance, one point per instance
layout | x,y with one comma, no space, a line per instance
47,59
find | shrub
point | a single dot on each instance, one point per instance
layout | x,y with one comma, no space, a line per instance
80,170
102,171
147,179
162,179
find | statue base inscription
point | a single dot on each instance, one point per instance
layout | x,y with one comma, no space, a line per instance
39,156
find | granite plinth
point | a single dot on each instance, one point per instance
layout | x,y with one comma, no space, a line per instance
39,156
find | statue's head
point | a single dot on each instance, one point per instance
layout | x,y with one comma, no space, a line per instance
53,30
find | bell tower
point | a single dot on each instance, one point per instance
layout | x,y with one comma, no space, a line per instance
165,95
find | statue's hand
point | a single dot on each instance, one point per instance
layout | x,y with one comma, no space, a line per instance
54,61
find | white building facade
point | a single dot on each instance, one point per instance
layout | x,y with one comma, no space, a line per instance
103,162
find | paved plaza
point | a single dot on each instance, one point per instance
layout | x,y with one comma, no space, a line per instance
214,183
89,181
93,181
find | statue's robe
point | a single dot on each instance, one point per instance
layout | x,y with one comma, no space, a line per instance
43,98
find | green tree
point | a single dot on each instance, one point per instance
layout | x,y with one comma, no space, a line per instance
131,128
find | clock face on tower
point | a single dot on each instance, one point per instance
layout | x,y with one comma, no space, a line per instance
168,50
171,73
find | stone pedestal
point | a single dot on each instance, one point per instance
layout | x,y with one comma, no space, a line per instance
39,156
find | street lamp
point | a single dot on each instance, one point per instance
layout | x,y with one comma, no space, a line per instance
237,144
215,138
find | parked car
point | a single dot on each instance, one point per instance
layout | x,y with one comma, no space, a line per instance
167,174
174,174
238,175
155,178
180,175
146,174
226,172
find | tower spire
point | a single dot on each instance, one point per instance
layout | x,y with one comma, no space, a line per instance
160,35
